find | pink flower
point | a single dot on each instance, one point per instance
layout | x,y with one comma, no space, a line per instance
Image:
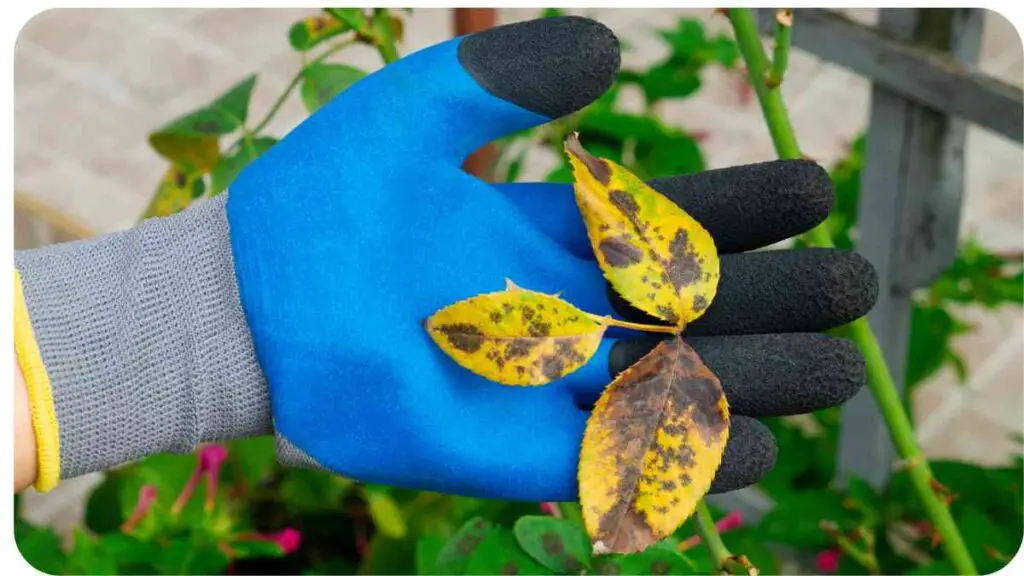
828,560
211,456
210,460
730,521
147,495
288,539
549,508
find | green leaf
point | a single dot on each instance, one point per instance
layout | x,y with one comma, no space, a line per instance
980,276
255,459
40,547
745,541
310,32
229,166
865,497
498,554
725,51
669,81
309,491
556,544
191,140
552,13
455,554
322,82
354,18
687,38
931,337
797,520
187,556
942,567
987,541
89,556
131,553
427,549
673,155
386,514
256,549
654,561
103,509
389,556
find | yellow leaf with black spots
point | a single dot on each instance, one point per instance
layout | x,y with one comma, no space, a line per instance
517,336
178,188
651,448
310,32
658,257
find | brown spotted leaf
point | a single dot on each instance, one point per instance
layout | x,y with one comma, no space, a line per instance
651,448
653,253
517,337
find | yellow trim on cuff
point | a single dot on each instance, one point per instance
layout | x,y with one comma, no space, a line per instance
40,395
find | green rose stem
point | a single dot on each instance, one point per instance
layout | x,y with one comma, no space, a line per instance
783,32
723,558
879,378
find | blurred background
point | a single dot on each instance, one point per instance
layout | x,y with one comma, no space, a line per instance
92,86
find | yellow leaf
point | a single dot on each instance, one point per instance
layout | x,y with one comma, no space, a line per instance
654,254
386,514
177,189
518,337
651,448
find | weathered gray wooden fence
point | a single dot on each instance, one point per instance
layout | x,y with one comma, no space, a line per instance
925,90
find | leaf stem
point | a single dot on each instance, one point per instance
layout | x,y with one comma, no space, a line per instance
382,36
609,321
783,35
725,559
880,380
862,557
298,78
250,146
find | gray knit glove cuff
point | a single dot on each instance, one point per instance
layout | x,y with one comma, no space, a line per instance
144,340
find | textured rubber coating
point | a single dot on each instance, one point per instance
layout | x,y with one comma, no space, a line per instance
748,207
553,66
781,291
749,455
770,374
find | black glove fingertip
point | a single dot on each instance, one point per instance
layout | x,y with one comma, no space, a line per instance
749,456
551,66
752,206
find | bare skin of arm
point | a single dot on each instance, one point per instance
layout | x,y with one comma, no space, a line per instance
24,436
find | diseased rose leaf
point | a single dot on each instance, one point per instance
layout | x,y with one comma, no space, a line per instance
310,32
557,544
651,447
454,556
653,253
177,189
517,336
498,554
230,166
322,82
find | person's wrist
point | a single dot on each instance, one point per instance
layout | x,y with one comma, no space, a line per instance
143,341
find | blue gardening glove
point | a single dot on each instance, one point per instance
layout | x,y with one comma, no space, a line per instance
360,224
294,303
